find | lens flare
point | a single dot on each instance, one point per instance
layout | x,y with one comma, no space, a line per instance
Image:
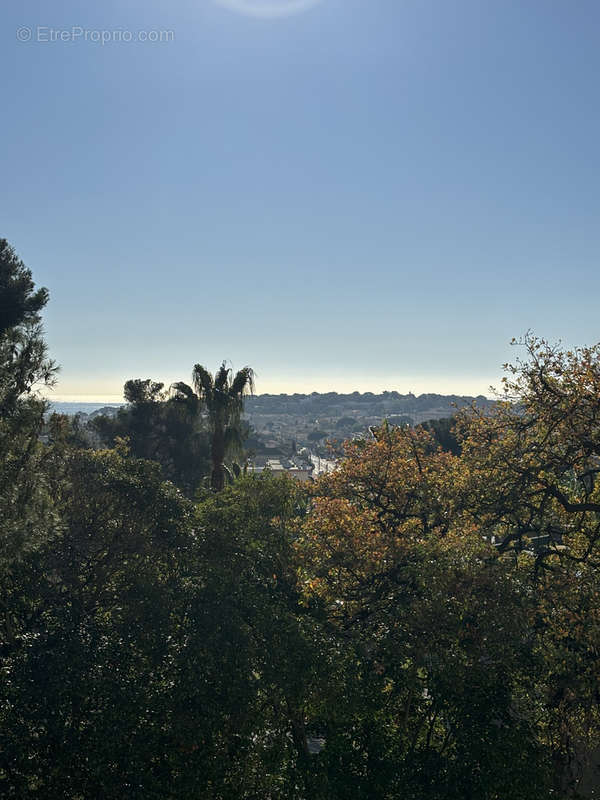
268,9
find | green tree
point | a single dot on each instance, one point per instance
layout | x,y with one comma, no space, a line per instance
223,397
20,302
23,357
24,368
164,428
266,655
96,609
162,649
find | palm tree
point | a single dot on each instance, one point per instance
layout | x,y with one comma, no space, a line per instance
223,397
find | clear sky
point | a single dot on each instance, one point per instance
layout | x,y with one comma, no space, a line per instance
360,194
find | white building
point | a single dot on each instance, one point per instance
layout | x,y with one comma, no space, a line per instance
295,467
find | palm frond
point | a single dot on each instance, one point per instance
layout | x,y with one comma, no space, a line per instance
181,391
203,381
222,377
243,383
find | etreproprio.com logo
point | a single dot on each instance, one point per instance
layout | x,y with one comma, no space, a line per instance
76,33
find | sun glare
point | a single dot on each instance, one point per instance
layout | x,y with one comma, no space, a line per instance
269,9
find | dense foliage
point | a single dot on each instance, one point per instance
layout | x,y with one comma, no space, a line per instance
422,623
162,427
24,366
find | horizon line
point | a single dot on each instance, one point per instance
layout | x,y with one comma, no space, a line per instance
111,399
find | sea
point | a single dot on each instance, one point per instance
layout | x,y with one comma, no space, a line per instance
80,408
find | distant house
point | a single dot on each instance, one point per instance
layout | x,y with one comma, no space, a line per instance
295,467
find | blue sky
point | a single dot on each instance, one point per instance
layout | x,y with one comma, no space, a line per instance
367,194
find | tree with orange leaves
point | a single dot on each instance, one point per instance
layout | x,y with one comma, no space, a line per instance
434,624
531,485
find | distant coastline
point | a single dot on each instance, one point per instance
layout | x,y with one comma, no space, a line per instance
72,408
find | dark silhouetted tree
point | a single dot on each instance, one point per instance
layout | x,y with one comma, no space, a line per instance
223,397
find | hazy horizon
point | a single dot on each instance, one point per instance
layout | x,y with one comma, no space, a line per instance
416,386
